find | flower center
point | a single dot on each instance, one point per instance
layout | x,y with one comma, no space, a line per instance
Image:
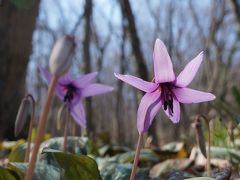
71,90
167,96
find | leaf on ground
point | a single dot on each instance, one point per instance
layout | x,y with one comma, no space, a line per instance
76,166
169,165
42,170
6,174
18,153
223,174
146,156
75,145
173,150
112,150
122,172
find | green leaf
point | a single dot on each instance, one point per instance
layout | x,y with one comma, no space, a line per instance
112,150
75,145
42,170
76,166
6,174
232,155
16,171
146,155
18,153
122,172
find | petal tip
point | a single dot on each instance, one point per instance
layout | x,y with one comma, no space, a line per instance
158,41
116,75
213,97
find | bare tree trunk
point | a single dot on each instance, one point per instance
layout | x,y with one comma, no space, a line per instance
119,101
87,59
135,42
17,22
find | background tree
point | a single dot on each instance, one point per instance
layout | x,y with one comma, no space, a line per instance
17,23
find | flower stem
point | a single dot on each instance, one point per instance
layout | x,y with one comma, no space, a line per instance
66,131
136,159
26,159
41,129
207,121
209,152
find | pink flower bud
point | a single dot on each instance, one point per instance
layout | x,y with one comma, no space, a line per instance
61,56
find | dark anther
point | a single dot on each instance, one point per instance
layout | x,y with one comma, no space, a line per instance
70,93
167,97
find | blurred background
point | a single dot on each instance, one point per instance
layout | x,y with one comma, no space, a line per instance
118,36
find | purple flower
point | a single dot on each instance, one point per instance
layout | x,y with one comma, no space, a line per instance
166,90
70,91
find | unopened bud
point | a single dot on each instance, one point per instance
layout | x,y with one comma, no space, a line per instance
61,56
22,114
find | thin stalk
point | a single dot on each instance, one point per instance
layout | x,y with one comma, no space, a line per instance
209,152
41,129
73,128
66,132
26,159
136,159
207,121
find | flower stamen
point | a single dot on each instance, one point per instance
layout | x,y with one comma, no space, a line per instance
71,90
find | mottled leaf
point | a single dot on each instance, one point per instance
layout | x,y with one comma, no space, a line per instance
76,145
146,155
6,174
18,153
168,166
42,170
76,166
122,172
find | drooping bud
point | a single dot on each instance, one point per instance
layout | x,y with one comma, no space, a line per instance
61,56
22,114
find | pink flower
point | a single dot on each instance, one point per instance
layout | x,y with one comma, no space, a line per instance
166,90
71,91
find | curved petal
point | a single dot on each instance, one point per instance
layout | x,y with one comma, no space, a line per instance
137,82
189,72
78,113
175,116
187,95
95,89
60,91
163,68
147,110
85,80
47,76
65,79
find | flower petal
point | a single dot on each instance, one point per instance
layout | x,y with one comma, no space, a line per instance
187,95
85,80
65,79
95,89
47,76
147,110
163,68
137,82
78,113
175,116
189,72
